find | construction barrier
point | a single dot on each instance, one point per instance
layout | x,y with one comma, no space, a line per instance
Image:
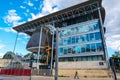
16,72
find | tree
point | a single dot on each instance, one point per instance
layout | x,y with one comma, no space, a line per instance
7,55
116,54
27,55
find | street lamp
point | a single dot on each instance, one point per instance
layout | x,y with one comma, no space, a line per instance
118,50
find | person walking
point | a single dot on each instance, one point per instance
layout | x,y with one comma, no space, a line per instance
76,75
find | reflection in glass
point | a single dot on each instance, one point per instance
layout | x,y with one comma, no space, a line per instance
65,42
65,51
88,48
96,26
69,40
78,49
97,36
93,49
73,50
73,39
92,38
60,51
83,48
99,47
69,50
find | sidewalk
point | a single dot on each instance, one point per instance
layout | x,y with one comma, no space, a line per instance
47,78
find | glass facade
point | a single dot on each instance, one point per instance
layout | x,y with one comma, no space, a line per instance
86,58
80,39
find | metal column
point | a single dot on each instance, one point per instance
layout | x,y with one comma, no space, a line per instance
15,43
39,49
52,51
102,30
56,56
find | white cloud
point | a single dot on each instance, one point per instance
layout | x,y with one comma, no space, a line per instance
35,16
2,46
1,55
23,7
28,2
112,23
8,29
12,18
24,42
48,7
25,14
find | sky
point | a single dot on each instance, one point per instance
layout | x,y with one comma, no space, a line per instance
16,12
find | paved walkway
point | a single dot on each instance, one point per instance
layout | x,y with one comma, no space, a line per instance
47,78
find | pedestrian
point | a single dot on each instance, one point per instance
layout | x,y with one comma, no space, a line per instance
76,75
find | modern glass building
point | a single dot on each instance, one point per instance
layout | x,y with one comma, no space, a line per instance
81,42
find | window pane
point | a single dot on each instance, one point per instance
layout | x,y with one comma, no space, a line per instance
93,49
83,48
65,50
69,50
77,39
88,48
73,39
89,58
96,25
60,41
94,58
65,42
69,40
92,37
73,50
97,36
60,51
78,49
99,47
99,57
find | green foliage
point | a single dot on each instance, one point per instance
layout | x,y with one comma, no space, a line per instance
116,54
27,55
7,55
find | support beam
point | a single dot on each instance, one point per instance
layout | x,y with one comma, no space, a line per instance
39,49
56,56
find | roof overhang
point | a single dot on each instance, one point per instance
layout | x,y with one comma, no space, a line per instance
62,15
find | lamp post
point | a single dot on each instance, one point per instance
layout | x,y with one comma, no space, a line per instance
118,51
56,56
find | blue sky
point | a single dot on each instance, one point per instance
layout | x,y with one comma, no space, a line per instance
15,12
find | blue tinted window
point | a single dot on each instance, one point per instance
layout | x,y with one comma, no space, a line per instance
94,58
99,47
61,42
60,51
96,26
97,36
88,48
65,42
65,50
78,49
92,37
77,39
99,57
89,58
69,40
73,39
69,50
93,48
83,48
73,50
